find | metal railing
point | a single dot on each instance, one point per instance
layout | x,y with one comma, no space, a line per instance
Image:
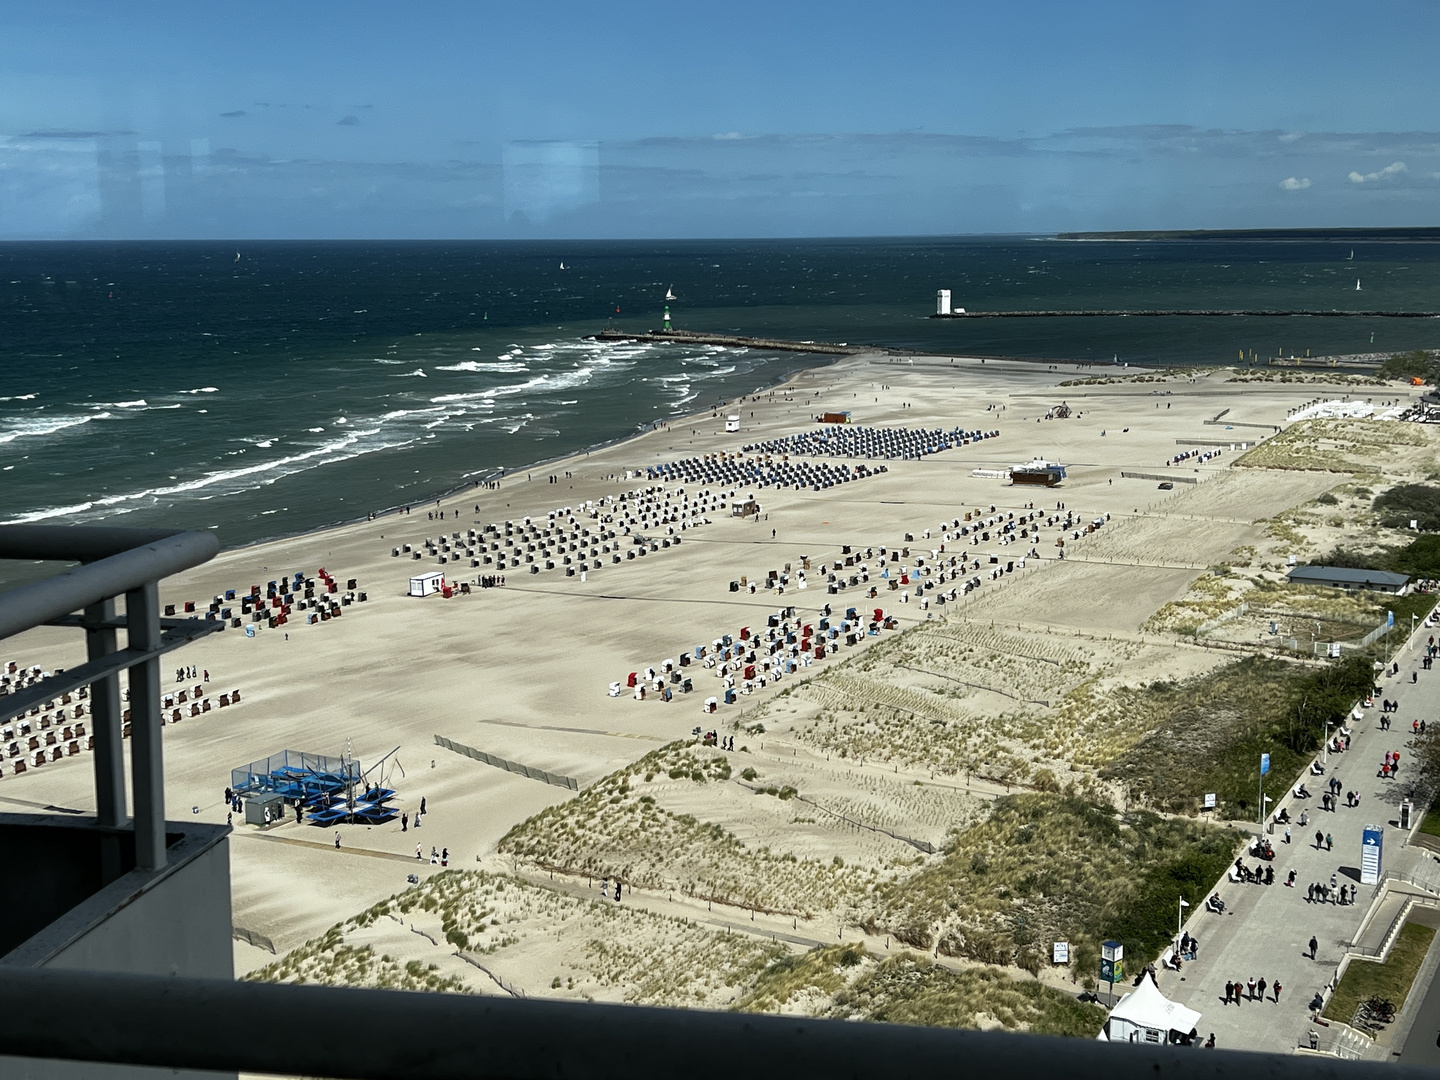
394,1035
113,563
266,1028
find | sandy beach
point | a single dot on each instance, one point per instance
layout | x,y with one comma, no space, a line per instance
521,672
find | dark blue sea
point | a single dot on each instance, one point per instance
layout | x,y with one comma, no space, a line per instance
273,388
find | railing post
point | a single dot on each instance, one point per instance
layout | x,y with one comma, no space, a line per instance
105,724
142,619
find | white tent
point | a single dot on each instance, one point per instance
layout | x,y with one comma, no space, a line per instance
1147,1016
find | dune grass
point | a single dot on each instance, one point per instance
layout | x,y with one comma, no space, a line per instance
619,828
1207,733
1047,867
910,989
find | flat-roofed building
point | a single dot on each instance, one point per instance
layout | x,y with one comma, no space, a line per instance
1344,577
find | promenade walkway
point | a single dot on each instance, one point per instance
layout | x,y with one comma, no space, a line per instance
1265,930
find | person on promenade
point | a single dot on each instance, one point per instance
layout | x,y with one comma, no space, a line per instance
1229,991
1287,834
1261,986
1334,883
1250,988
405,822
1276,991
1313,946
1319,839
1210,1042
1329,842
417,853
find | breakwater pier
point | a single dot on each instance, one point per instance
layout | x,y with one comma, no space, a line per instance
1200,313
689,337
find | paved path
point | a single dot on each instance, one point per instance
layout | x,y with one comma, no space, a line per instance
1265,931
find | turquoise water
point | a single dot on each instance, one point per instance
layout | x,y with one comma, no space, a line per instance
305,384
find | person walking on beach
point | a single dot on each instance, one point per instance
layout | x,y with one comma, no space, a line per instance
1275,989
337,840
405,822
422,805
1319,839
417,853
1313,946
1329,842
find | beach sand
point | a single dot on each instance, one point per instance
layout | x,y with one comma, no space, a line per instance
521,671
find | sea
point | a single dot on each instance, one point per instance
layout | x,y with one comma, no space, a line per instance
267,389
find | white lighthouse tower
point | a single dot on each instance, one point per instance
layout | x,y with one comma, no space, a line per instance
942,302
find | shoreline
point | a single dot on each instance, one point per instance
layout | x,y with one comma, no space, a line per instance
580,453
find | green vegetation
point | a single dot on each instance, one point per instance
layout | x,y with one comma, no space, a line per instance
1046,868
1410,502
1392,979
1417,364
822,970
1207,733
909,989
1430,824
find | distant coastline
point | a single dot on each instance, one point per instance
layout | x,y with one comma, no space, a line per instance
1422,235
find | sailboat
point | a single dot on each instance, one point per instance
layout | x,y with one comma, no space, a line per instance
237,256
1357,284
670,292
562,264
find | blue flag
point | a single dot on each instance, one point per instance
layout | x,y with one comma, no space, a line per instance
1264,764
1389,618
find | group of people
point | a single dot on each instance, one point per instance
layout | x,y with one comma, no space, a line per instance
437,858
1261,875
1390,765
183,674
1251,989
1320,893
406,822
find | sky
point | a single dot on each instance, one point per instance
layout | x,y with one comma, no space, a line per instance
743,119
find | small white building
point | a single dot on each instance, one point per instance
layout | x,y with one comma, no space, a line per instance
732,422
425,584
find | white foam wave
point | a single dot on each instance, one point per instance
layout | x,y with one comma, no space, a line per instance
505,366
24,429
19,397
351,445
411,374
202,390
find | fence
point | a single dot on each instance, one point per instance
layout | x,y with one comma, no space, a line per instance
509,766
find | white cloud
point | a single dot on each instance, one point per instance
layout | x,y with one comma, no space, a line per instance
1291,136
1390,170
1293,184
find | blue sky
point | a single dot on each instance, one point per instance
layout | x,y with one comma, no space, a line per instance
740,119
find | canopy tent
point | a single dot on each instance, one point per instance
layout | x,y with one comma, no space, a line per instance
1147,1016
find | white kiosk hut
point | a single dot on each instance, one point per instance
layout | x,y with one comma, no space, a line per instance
1147,1016
425,584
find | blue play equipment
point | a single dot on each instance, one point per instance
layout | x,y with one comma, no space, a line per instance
330,790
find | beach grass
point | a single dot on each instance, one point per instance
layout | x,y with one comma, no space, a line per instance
1047,867
911,989
620,828
1207,733
1392,979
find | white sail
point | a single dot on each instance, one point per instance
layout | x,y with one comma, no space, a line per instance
670,293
